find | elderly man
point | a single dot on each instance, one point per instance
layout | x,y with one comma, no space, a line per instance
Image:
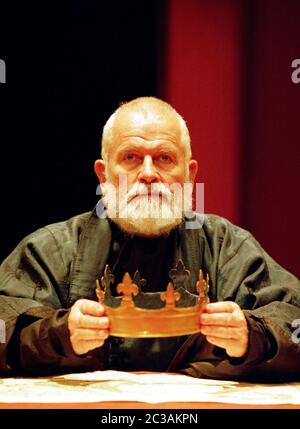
54,322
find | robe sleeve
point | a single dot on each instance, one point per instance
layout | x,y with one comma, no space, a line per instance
34,284
270,298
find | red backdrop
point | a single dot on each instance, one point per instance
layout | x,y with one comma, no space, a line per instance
228,72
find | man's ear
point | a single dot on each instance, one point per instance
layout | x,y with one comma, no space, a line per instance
193,168
99,168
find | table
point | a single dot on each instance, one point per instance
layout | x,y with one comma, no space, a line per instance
122,390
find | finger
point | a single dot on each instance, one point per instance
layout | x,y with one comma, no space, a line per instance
222,332
221,342
92,322
221,307
90,334
83,347
221,319
234,348
90,307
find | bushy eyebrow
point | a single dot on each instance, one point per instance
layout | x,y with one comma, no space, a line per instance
167,148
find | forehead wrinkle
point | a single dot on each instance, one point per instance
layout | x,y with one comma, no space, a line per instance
148,131
139,139
140,144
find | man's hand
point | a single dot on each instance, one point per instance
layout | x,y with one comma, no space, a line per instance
225,325
88,326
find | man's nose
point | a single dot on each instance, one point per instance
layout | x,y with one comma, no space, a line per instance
148,172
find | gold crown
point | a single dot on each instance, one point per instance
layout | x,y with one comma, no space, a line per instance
128,318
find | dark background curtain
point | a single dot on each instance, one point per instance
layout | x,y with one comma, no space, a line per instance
69,64
228,70
224,64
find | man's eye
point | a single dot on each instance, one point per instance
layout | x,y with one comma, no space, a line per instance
164,158
130,157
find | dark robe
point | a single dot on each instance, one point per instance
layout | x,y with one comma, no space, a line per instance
56,265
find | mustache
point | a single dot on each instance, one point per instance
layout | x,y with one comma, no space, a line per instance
152,190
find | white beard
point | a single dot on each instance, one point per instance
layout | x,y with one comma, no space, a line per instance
145,210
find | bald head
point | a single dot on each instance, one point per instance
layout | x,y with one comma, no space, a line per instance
147,111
